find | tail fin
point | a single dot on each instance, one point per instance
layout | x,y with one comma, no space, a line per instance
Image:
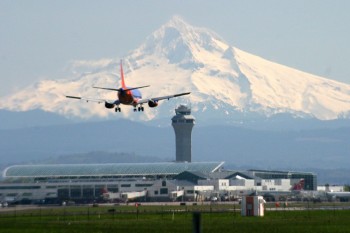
299,186
104,190
122,75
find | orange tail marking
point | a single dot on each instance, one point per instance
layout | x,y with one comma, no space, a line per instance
122,75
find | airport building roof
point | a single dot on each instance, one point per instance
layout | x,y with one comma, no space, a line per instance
113,170
194,176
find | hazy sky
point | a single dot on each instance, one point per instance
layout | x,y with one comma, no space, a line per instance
39,38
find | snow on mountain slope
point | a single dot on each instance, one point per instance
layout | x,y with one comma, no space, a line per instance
224,81
280,88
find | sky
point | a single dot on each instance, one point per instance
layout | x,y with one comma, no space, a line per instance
39,38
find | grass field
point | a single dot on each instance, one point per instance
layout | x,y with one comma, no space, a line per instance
214,218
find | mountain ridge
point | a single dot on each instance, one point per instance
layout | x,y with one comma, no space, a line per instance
225,82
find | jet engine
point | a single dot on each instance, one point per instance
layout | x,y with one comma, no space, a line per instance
109,105
152,103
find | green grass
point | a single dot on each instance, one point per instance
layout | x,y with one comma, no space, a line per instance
215,218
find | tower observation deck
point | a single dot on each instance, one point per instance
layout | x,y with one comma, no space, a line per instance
183,123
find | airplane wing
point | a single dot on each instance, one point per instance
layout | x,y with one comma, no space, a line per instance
156,99
93,100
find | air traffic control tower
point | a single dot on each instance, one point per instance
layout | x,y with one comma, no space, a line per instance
183,123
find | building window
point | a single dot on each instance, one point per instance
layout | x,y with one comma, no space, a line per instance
112,188
163,183
156,192
88,191
163,191
20,187
125,185
27,194
12,194
75,191
143,185
98,190
63,193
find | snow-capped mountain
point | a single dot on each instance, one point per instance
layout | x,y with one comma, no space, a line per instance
225,82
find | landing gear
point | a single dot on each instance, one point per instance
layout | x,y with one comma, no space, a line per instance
117,109
139,109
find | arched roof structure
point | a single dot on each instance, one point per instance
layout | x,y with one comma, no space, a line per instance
108,170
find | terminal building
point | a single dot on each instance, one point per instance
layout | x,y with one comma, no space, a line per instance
88,183
182,180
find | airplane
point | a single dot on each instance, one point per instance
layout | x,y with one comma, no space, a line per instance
110,196
128,96
341,195
298,188
124,196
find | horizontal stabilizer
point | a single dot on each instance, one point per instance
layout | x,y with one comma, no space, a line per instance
106,88
73,97
133,88
87,99
120,89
